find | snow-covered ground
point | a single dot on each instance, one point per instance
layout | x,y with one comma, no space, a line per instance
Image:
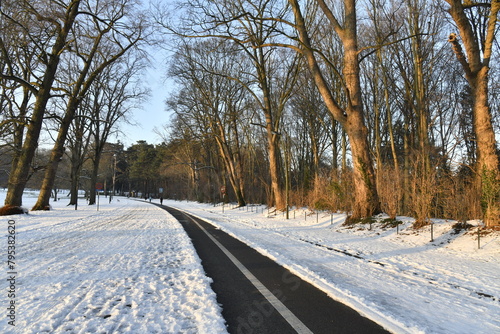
130,268
401,280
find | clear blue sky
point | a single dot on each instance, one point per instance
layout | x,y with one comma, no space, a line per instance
153,114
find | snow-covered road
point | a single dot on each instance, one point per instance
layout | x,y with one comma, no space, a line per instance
129,268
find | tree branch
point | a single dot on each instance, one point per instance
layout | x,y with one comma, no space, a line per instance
20,81
378,47
457,49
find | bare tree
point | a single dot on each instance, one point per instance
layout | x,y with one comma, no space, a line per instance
17,60
275,71
78,142
352,116
477,24
98,43
113,94
217,102
57,18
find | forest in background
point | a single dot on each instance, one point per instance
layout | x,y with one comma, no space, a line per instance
357,106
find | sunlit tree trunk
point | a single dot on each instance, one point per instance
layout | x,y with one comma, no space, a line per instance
477,70
366,201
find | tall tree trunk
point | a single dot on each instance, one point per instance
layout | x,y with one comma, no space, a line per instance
477,74
18,132
488,162
366,201
75,180
314,150
422,172
419,91
273,142
344,151
380,56
93,177
335,144
376,125
390,127
234,171
407,144
277,189
19,176
273,114
239,181
77,151
55,157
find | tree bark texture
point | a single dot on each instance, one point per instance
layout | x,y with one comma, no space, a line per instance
477,71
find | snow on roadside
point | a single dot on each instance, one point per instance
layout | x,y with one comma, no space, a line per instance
127,268
401,279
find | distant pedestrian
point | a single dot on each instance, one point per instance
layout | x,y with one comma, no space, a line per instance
161,200
150,199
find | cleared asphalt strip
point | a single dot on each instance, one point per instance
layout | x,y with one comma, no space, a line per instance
275,302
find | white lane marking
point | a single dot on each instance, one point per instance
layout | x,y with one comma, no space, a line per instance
275,302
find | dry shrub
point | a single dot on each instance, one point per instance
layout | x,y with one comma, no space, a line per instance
422,194
320,198
333,192
461,198
298,198
8,210
490,197
390,190
343,191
